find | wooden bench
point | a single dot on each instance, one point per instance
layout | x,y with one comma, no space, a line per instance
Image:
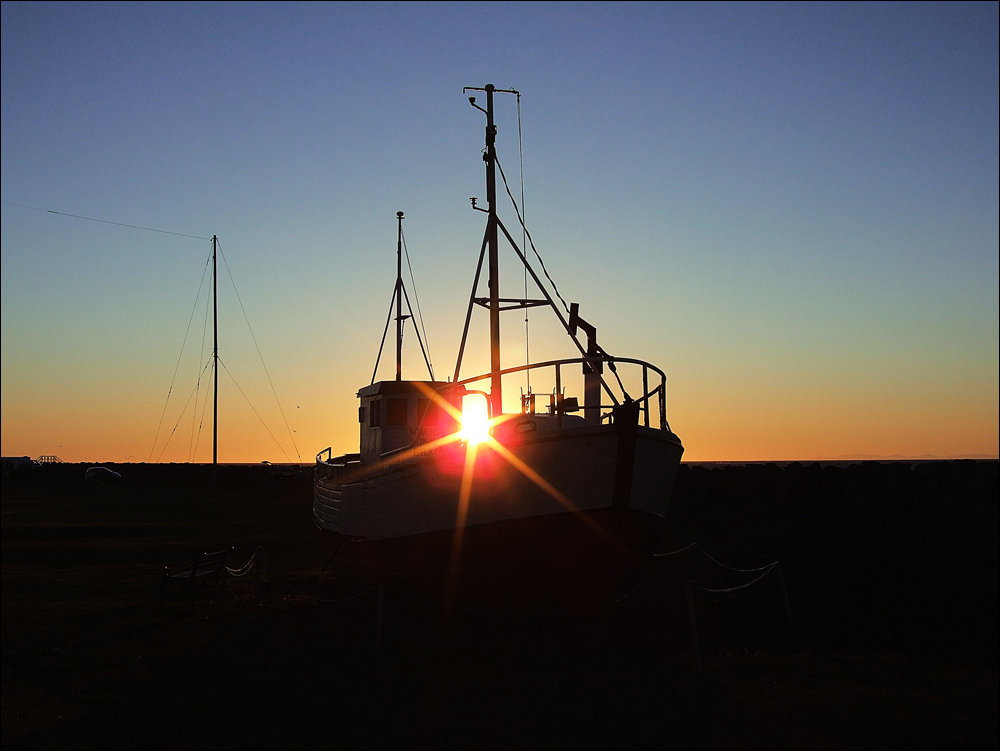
206,564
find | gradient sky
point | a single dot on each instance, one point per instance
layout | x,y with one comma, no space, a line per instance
792,209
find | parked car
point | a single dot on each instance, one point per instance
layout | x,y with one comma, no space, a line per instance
101,474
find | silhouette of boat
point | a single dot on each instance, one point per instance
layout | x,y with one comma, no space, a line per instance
540,509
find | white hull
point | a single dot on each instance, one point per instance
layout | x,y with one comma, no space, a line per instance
422,494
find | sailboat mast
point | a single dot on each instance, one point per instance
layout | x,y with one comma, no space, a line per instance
496,395
399,297
215,355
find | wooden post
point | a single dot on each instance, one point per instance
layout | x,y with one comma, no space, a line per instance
694,628
784,595
378,620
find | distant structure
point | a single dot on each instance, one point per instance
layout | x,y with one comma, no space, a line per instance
17,466
49,459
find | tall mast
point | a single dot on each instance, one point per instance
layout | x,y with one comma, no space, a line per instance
496,395
399,297
215,356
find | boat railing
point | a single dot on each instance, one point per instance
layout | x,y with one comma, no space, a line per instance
659,391
335,467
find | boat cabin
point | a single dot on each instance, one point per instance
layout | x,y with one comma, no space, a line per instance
395,413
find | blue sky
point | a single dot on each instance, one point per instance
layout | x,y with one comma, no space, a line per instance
793,209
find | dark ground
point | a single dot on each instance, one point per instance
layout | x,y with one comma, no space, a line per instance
892,576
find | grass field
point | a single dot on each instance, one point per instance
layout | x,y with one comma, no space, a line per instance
892,580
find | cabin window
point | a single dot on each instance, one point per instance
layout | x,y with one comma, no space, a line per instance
361,413
421,408
395,413
375,413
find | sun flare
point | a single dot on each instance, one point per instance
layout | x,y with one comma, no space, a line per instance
475,421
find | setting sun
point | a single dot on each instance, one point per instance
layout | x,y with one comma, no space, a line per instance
475,420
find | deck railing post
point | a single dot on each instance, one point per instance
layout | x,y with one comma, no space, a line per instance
645,393
559,413
663,403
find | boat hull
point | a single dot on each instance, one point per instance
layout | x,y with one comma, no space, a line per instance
555,562
564,520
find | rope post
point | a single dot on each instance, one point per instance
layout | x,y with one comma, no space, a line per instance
784,595
378,619
256,576
694,627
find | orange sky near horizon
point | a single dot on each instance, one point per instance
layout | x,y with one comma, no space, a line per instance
754,423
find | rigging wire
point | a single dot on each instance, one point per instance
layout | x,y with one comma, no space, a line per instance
273,391
430,363
179,418
524,213
614,370
204,409
183,343
201,358
107,221
384,332
417,331
532,242
186,332
255,411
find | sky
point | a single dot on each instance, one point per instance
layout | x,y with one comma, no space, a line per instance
790,209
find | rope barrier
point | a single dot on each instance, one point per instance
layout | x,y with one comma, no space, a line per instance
248,567
260,559
245,569
742,586
298,591
675,552
715,561
532,612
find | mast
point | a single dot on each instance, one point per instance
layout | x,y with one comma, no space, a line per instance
496,394
592,355
399,297
215,356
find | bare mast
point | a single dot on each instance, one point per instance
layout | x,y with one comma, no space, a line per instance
592,356
399,297
490,241
496,393
215,357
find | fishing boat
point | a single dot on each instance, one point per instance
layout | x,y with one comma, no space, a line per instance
556,506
